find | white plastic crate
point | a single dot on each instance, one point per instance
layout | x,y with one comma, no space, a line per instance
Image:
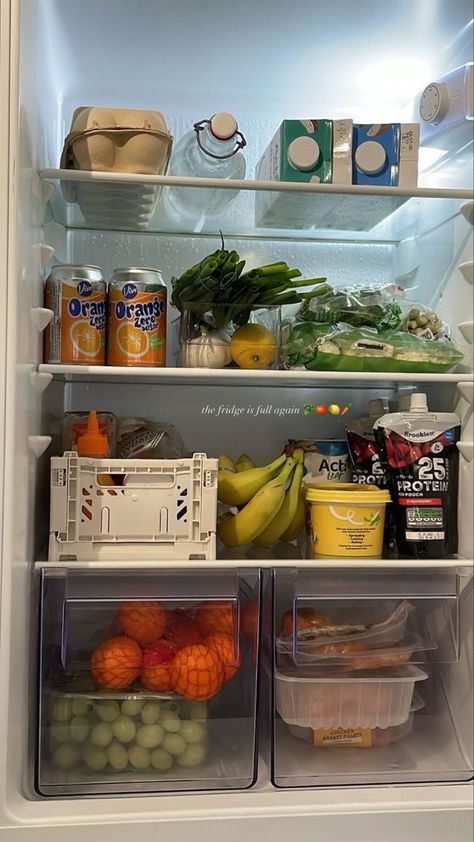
133,508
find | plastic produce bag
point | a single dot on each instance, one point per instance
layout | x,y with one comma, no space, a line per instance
367,350
143,438
376,307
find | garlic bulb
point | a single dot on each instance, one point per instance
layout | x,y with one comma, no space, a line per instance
210,350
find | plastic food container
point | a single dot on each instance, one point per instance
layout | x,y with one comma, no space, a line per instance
378,699
345,520
353,737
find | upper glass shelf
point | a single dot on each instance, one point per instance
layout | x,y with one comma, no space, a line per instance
261,209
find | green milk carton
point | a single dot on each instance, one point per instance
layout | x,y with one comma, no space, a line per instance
302,151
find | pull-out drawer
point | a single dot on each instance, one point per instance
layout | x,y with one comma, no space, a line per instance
372,676
147,681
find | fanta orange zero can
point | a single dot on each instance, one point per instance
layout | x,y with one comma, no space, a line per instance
136,326
76,333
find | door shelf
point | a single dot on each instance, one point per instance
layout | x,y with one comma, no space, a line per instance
137,203
240,377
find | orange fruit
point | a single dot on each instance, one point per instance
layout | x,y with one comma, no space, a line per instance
116,662
223,645
253,346
249,620
197,673
85,338
215,617
181,628
157,658
143,620
307,618
131,340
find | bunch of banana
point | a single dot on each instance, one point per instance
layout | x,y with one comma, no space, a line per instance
268,509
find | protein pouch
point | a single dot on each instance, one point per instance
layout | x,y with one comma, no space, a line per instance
363,449
421,461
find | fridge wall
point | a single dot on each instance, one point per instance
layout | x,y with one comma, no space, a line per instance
60,55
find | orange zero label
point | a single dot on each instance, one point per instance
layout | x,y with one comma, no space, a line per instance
136,325
77,331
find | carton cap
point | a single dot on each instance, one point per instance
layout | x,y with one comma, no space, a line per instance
303,153
370,157
92,443
376,407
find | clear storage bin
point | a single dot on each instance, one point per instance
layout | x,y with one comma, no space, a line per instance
147,682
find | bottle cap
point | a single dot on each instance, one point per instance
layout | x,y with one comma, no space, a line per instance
370,157
376,407
223,125
404,403
303,153
418,402
93,443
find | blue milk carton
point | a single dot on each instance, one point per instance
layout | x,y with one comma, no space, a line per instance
385,154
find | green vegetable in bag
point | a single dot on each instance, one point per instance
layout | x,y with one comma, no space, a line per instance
303,341
367,350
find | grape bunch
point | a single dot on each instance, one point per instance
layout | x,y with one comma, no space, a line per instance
126,734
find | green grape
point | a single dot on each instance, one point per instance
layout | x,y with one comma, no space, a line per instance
66,756
132,707
150,736
193,732
62,710
124,728
81,707
102,734
60,733
139,757
197,711
170,721
170,705
174,743
108,710
150,713
95,758
117,756
193,755
161,760
80,727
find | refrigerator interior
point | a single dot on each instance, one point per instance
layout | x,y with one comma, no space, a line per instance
190,61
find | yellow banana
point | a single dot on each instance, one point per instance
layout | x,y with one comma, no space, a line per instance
286,513
299,519
236,489
244,463
242,528
226,464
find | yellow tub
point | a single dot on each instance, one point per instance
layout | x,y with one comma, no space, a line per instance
345,520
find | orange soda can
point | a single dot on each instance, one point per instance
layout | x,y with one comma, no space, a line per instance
77,297
136,327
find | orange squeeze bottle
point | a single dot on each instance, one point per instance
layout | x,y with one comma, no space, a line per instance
94,445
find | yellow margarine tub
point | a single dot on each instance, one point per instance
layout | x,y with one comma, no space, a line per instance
345,520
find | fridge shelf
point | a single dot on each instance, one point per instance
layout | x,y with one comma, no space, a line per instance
241,377
261,564
112,201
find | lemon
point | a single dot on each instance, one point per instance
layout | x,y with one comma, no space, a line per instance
253,346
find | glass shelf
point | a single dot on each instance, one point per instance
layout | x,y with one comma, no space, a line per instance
240,377
322,212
